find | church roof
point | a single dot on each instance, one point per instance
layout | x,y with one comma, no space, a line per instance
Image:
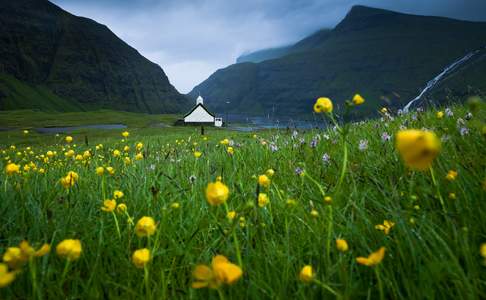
197,107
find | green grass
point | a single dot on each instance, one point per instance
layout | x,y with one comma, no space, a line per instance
430,254
21,95
30,118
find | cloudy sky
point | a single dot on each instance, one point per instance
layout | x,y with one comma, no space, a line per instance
190,39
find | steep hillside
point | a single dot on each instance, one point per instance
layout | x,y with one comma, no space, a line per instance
379,53
77,61
311,42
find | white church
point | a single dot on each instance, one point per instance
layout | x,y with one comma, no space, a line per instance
199,115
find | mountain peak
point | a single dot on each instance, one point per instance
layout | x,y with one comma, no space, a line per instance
366,11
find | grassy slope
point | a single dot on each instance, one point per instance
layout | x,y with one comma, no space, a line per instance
21,95
436,256
29,118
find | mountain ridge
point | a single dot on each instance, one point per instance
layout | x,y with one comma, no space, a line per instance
80,60
387,56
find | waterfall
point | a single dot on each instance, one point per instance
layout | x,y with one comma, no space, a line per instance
450,68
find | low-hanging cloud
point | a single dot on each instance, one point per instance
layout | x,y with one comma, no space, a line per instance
191,39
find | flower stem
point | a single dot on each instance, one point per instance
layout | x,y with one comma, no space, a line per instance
327,287
329,234
33,275
117,226
437,189
235,240
146,281
64,273
345,163
103,187
380,284
220,294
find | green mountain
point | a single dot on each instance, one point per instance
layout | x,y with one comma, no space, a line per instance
308,43
386,56
52,60
265,54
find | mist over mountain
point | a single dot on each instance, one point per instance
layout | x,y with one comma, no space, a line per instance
308,43
50,59
386,56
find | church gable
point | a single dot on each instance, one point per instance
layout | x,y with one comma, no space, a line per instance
199,115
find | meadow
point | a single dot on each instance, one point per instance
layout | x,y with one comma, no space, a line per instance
337,213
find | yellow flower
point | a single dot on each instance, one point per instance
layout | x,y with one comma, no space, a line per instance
69,153
109,205
69,249
440,114
125,134
451,175
6,277
385,227
482,250
242,222
69,180
231,215
145,227
126,148
116,153
50,153
79,157
224,142
118,194
314,213
139,156
121,208
291,202
26,132
270,172
264,181
217,193
43,250
221,272
110,170
14,257
100,171
73,175
139,146
26,250
323,104
12,168
86,154
141,257
175,205
418,148
358,100
262,199
69,139
327,199
342,245
197,154
373,259
230,150
384,110
306,274
452,196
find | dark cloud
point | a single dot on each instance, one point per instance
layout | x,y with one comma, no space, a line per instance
191,39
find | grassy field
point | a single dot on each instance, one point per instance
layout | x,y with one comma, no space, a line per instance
29,118
324,187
